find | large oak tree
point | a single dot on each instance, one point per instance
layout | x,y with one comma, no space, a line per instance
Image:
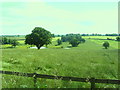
38,37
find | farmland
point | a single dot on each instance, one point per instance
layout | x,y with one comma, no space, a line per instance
89,59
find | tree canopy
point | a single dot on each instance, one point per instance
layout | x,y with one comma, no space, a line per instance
106,44
38,37
74,42
59,41
73,39
14,42
118,38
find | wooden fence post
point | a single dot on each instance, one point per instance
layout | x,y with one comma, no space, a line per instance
35,80
92,81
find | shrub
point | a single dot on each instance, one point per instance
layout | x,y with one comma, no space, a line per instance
83,40
59,42
106,44
14,43
118,38
74,42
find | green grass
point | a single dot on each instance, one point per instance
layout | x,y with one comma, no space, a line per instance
113,44
87,60
21,41
100,37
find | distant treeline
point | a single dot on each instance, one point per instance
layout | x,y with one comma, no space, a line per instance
92,35
54,35
12,35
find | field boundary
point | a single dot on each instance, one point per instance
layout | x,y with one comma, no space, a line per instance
35,76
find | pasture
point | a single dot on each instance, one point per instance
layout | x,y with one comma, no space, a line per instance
89,59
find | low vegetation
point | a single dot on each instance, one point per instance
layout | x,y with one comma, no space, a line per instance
87,60
12,42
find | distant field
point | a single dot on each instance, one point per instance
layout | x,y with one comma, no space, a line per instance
113,44
101,37
89,59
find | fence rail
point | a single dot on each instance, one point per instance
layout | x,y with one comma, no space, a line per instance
35,76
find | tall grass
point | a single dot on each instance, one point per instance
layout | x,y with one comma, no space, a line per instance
89,59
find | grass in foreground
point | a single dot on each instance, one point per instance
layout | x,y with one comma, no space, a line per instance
90,59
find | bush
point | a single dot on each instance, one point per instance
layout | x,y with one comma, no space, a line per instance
83,40
14,43
69,46
59,42
118,38
106,44
5,40
61,46
74,42
73,39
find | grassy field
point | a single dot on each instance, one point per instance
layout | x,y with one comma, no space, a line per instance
100,37
87,60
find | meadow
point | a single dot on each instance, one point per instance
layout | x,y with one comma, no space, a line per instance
89,59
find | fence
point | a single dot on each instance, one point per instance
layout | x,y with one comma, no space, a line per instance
35,76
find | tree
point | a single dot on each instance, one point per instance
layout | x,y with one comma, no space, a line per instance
29,39
14,42
38,37
74,42
4,40
53,35
9,41
59,41
118,38
106,44
63,38
82,40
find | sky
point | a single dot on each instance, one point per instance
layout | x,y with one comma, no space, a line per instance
62,17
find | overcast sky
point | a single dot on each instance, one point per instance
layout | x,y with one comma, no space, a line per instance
59,17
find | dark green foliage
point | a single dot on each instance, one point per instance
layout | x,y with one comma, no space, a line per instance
83,40
111,34
106,44
63,38
14,42
29,39
59,42
74,39
74,42
68,37
38,37
4,40
9,41
118,38
57,35
53,35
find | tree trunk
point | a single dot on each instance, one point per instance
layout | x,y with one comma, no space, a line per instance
105,47
38,47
